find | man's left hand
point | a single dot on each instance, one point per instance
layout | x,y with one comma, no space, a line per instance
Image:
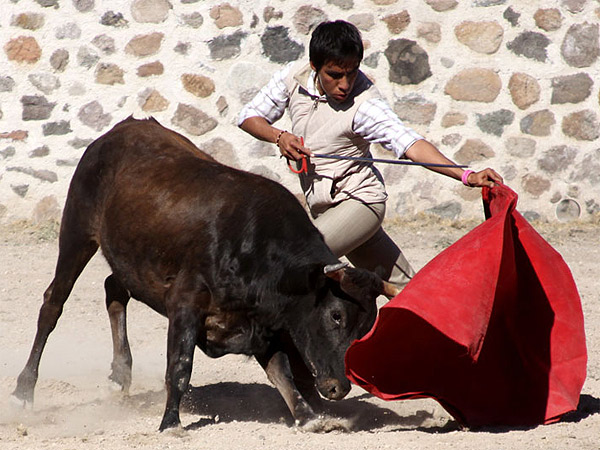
486,177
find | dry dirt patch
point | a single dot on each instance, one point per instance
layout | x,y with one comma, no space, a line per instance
231,404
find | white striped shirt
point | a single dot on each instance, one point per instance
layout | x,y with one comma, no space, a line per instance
375,121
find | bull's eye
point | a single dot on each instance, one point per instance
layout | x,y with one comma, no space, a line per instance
336,316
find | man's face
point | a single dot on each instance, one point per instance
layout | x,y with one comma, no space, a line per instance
336,79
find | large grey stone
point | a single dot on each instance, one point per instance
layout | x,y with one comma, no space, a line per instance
574,6
151,100
113,19
415,109
86,57
442,5
538,123
582,125
362,21
473,150
150,11
42,174
430,31
59,59
59,128
194,20
109,74
521,147
68,31
535,185
270,13
512,16
193,120
531,45
36,107
7,83
580,47
409,63
227,46
557,159
307,17
222,150
28,21
8,152
45,82
105,43
84,5
92,115
495,122
278,47
39,152
447,210
20,189
346,5
246,79
78,143
46,210
571,88
588,169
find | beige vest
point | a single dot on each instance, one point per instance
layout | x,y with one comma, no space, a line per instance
327,129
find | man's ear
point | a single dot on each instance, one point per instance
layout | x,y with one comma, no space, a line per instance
312,66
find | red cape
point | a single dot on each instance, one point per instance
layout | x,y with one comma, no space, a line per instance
492,328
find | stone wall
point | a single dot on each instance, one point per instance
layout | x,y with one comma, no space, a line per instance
507,84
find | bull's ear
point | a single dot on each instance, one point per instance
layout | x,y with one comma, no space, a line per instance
355,280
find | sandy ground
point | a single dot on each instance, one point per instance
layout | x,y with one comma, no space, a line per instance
231,404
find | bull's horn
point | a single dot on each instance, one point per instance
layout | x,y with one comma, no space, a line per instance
330,268
390,290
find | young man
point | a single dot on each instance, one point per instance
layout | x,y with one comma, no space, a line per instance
336,110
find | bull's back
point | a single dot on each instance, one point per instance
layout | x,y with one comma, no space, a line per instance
159,207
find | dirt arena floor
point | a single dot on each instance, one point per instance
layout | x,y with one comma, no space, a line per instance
231,404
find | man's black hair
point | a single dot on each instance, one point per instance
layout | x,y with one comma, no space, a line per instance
337,41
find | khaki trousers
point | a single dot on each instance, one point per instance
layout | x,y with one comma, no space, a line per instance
353,229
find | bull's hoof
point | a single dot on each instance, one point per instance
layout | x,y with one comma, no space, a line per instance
120,375
170,420
17,402
178,432
326,424
22,397
120,382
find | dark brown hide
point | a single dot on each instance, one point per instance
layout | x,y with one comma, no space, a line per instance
230,258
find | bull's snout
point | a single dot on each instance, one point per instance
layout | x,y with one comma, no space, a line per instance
334,389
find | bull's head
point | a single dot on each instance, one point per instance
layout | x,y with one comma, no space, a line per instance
344,310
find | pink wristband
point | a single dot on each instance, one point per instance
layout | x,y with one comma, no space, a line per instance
465,176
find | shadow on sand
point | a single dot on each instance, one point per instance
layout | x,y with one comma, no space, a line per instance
262,403
257,402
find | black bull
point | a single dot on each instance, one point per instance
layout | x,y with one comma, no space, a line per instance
230,258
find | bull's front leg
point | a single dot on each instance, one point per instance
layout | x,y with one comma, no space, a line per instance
277,367
181,342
